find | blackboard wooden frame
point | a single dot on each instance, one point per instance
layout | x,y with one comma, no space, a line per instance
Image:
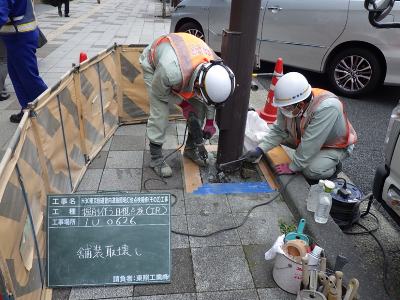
108,239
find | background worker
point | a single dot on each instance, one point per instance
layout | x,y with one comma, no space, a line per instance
313,122
20,33
66,8
179,68
3,71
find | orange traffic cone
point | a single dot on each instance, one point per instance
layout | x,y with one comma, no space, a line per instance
269,112
82,57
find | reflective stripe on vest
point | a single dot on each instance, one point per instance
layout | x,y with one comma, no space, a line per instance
21,28
21,23
15,19
320,95
190,50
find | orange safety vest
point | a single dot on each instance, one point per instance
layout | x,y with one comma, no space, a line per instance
191,52
320,95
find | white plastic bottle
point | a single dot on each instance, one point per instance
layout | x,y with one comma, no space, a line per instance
313,196
321,214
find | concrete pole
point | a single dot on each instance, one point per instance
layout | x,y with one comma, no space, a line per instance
238,52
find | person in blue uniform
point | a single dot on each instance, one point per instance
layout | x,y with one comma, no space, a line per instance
20,34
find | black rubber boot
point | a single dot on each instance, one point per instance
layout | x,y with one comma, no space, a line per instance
192,152
161,168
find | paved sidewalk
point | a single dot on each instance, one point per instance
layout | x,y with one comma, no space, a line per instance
229,265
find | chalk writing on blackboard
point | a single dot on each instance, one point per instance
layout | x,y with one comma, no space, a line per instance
96,239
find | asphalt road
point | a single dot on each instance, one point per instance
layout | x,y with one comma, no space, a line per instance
369,116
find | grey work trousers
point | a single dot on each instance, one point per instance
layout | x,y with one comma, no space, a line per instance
159,110
324,163
3,65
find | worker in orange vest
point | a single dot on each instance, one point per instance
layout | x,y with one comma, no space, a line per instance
181,69
313,122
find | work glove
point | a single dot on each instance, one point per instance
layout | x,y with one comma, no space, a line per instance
186,109
283,169
209,129
252,155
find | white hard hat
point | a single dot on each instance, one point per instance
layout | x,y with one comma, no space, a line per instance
291,88
217,82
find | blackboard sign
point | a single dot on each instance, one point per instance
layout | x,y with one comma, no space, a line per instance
108,239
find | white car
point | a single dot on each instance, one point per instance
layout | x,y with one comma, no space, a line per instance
325,36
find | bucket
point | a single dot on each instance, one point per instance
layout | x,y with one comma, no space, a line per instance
288,274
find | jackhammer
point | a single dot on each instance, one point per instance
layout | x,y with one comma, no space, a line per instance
198,135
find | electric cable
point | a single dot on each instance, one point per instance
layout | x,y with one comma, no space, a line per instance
224,229
245,218
371,232
162,178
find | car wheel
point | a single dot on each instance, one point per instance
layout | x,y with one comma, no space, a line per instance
354,72
193,29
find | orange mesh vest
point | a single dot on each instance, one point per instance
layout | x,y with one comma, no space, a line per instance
190,50
320,95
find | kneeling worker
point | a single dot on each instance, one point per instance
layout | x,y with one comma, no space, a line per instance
313,122
181,69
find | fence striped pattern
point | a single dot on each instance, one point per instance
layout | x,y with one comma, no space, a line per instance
63,129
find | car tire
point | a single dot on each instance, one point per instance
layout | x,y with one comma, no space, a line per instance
354,72
193,29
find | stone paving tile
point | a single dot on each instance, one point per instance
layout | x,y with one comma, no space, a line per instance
206,224
177,202
275,294
99,162
132,130
207,204
128,142
174,182
124,159
187,296
121,180
260,268
91,180
61,293
179,224
241,203
101,292
214,273
229,295
182,277
265,222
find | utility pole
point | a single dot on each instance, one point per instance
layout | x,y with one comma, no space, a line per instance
238,52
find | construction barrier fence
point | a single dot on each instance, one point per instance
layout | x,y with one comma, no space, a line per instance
60,133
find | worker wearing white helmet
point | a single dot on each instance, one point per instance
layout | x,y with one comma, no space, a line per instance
313,122
181,69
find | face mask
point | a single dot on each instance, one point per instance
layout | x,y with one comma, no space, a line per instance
287,113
